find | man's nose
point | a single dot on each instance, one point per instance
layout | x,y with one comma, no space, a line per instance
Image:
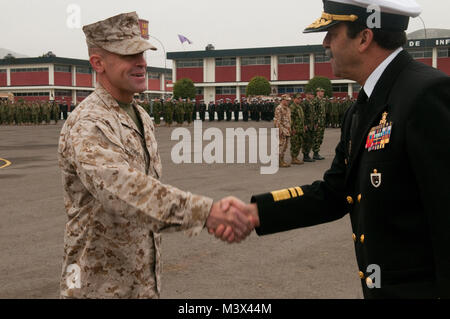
141,61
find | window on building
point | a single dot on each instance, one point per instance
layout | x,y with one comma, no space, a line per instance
63,93
225,61
340,88
32,94
293,59
189,63
264,60
82,93
29,70
321,58
2,71
199,91
168,77
421,53
84,70
153,76
291,89
356,88
225,90
63,68
444,53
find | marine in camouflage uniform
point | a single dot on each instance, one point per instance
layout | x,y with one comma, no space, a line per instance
298,129
115,203
283,123
320,105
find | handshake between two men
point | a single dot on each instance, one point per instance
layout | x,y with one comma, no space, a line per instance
232,220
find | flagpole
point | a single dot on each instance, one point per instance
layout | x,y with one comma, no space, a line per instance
165,63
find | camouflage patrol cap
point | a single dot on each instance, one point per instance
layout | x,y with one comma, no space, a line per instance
120,34
286,97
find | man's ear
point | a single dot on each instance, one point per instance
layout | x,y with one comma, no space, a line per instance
366,39
97,63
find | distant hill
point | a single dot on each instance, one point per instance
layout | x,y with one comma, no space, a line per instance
4,52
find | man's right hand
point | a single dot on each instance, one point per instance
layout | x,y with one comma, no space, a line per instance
232,204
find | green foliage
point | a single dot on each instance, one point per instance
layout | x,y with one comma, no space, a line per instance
258,85
320,82
184,88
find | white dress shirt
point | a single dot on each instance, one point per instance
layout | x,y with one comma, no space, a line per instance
372,80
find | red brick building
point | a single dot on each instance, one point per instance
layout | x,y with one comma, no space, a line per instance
219,74
65,80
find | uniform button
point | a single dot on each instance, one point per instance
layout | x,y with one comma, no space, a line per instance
354,237
369,282
350,200
362,239
361,275
359,198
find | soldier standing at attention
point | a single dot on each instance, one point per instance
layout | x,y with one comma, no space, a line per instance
283,124
298,129
310,125
320,106
211,111
108,155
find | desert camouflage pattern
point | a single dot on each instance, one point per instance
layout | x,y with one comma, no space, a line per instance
120,34
116,205
283,120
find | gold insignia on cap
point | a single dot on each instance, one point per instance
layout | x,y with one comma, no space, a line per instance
287,193
327,18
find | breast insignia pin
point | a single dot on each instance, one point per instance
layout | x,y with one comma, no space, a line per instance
375,178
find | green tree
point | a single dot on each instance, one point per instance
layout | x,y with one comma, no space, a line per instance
184,88
320,82
258,85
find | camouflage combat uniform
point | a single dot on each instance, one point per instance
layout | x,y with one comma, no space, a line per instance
116,205
320,107
310,123
297,125
283,123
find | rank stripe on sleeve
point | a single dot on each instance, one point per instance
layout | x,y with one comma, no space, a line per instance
287,193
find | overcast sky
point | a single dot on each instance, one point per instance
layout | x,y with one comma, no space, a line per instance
33,27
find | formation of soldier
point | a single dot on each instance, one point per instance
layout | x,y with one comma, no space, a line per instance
180,111
29,113
308,119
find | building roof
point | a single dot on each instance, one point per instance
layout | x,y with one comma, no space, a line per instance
65,61
433,35
429,34
246,52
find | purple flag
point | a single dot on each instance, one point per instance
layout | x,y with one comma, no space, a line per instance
184,39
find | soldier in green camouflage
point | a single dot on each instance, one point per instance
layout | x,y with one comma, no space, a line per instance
320,105
298,129
2,113
189,109
168,112
310,126
179,111
157,108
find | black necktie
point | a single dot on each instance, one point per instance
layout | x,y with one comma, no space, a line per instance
361,102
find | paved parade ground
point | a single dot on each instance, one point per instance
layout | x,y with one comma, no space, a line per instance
316,262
